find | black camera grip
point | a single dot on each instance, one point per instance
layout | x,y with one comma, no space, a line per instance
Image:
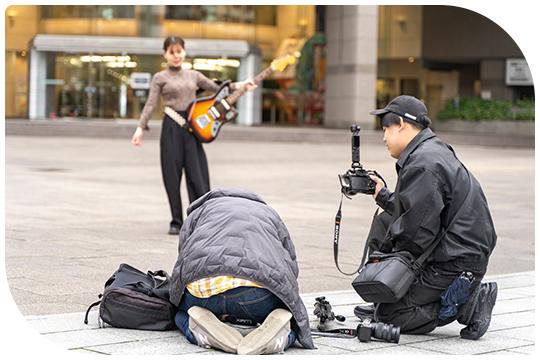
373,172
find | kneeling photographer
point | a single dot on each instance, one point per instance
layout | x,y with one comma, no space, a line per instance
437,222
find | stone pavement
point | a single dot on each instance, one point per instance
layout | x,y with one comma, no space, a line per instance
512,331
80,200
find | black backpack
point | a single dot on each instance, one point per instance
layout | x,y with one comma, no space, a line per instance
135,300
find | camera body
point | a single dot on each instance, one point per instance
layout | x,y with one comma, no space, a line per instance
356,180
366,330
378,330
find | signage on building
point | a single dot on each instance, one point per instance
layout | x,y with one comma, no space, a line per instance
518,73
140,83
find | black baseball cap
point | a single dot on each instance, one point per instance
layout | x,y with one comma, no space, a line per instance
408,107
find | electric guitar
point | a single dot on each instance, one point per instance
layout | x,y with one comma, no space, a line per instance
207,114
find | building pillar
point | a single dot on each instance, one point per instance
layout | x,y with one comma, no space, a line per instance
351,70
37,73
250,104
492,76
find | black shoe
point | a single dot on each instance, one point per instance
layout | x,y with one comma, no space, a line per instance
174,230
364,311
481,316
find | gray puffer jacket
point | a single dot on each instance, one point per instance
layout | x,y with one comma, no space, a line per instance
234,232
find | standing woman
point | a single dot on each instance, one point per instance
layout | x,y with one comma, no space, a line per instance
180,149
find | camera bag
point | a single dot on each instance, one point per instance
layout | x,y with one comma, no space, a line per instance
135,300
386,277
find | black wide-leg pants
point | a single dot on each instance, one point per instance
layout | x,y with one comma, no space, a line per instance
181,150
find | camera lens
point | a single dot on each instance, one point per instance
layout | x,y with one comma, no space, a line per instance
387,332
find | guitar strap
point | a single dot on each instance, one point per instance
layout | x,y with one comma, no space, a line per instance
173,114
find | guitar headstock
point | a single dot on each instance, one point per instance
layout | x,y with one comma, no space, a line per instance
281,62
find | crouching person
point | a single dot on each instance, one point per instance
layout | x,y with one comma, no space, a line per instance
432,186
236,258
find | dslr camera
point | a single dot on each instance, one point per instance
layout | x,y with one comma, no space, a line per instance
387,332
356,180
366,330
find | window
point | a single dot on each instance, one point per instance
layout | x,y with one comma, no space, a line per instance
108,12
243,14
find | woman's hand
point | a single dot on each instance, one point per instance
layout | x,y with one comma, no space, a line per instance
137,137
249,83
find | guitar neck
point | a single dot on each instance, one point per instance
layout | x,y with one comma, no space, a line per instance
231,99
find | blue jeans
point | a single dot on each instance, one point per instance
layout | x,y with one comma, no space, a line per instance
243,302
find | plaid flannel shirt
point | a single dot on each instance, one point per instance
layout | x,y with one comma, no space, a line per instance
204,288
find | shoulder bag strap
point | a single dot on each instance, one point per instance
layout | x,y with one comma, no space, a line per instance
418,263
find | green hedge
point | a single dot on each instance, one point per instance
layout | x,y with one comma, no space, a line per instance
479,109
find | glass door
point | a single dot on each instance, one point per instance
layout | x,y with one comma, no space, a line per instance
98,85
90,86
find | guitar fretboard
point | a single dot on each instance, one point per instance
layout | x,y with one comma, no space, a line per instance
231,99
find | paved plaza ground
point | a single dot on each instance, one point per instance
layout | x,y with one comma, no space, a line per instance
78,204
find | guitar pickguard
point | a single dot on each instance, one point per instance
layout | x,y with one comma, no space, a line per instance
215,128
203,121
223,93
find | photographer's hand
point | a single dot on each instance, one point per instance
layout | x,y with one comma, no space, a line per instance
379,185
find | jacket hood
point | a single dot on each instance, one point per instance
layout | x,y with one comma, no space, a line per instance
224,192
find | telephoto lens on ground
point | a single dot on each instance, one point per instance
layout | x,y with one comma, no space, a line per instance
387,332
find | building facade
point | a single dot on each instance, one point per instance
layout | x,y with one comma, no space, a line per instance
94,61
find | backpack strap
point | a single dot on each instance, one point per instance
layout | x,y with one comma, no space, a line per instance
90,307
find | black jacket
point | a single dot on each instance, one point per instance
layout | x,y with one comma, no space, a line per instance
234,232
432,184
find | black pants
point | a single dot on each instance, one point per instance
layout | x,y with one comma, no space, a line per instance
181,150
417,312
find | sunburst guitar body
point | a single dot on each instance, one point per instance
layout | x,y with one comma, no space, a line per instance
207,115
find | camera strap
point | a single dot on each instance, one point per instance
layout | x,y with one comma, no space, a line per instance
336,241
416,264
336,333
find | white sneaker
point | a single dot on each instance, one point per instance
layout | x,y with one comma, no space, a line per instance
269,338
209,331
